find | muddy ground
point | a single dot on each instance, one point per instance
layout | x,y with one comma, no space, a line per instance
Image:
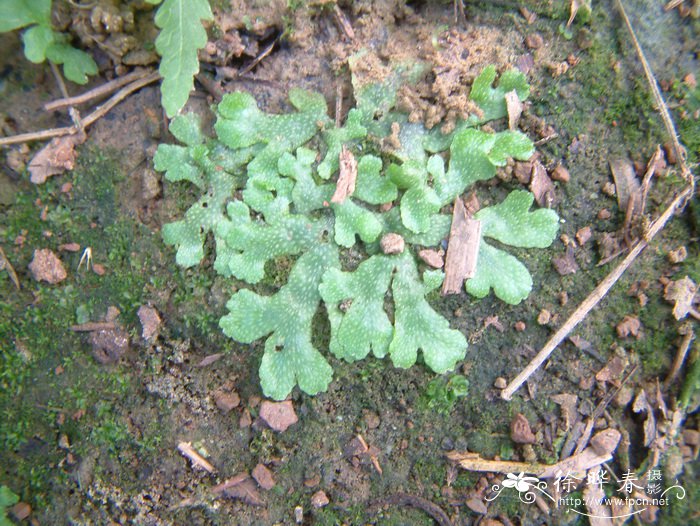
90,443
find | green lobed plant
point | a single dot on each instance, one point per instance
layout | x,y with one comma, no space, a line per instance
7,500
266,188
181,36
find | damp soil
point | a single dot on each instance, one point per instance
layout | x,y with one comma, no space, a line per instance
85,442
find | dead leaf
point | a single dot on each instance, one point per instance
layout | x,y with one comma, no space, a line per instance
150,321
583,235
641,405
7,267
46,266
278,415
348,175
682,294
462,250
565,264
55,158
627,186
568,403
208,360
240,487
477,506
515,109
629,326
542,186
263,477
612,371
520,431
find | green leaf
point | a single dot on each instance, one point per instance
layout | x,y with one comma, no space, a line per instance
181,36
475,155
189,233
307,196
240,124
250,244
371,187
438,229
36,40
491,99
350,220
289,357
355,306
511,223
77,64
15,14
418,326
7,499
510,280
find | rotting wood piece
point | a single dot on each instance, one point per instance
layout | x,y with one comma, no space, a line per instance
462,250
345,186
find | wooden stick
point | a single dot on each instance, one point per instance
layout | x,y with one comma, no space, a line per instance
87,121
594,297
99,91
680,356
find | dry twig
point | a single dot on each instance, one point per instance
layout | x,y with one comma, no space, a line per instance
100,112
99,91
677,205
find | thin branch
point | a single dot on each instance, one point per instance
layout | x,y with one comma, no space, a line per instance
87,121
594,297
680,356
99,91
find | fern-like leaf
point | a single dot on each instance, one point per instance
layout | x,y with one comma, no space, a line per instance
182,34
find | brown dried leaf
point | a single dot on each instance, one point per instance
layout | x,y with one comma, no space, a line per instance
208,360
477,506
278,415
462,250
514,107
627,186
55,158
520,431
641,405
348,175
150,321
612,371
542,186
568,403
566,263
243,488
263,477
682,294
46,266
629,326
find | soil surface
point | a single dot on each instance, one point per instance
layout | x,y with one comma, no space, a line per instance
106,372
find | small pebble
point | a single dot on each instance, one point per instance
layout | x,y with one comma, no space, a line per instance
544,317
520,326
561,174
534,41
319,499
604,214
500,383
